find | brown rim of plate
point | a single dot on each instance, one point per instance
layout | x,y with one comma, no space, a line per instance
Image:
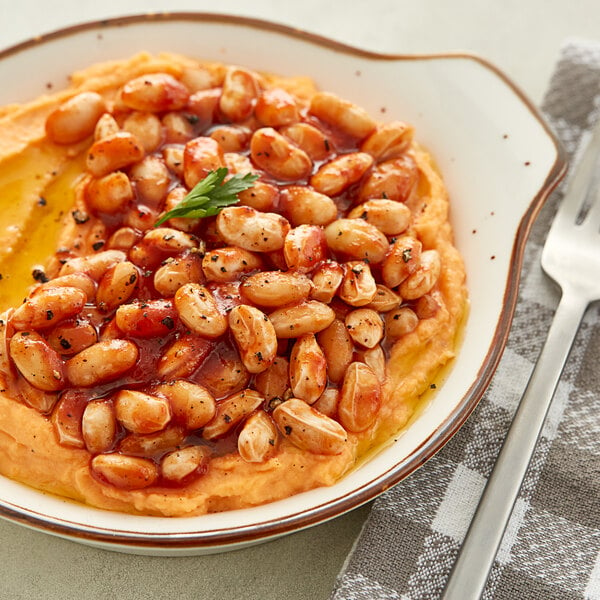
222,538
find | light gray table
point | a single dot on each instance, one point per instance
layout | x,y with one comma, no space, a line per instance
522,38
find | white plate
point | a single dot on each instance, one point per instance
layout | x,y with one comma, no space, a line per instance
499,161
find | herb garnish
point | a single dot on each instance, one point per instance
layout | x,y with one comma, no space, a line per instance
210,195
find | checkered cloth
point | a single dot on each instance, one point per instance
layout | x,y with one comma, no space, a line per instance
551,549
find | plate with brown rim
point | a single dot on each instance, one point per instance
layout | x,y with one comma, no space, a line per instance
499,161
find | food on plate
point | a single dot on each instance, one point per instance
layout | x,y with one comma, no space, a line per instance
237,286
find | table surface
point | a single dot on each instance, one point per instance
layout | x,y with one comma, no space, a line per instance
521,38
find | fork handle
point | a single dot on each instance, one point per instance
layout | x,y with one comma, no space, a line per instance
471,570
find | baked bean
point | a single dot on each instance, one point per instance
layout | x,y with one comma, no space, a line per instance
261,196
276,107
77,280
229,263
304,248
251,229
400,322
327,402
239,163
38,399
389,140
299,319
182,463
173,157
365,327
178,271
37,362
356,239
151,179
192,404
358,285
258,438
198,309
308,138
308,369
167,239
230,411
67,417
146,318
278,156
93,265
276,288
71,337
393,179
153,444
125,472
146,128
47,306
117,285
375,359
110,194
154,92
183,357
403,260
200,156
75,119
345,115
99,426
113,152
305,206
141,413
141,217
337,346
360,398
240,90
174,197
428,305
223,372
335,176
423,278
177,127
274,381
384,299
309,429
231,138
254,336
204,104
105,126
326,278
100,362
389,216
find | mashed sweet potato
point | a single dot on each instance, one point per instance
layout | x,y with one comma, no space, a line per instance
241,286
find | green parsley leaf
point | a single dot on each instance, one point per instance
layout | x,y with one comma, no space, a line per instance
210,195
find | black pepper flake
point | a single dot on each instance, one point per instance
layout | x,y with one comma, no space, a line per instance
39,275
97,245
42,201
433,386
214,257
288,430
326,144
80,217
49,315
406,254
168,322
227,418
65,343
192,119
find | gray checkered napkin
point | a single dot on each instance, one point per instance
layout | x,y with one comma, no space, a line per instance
551,549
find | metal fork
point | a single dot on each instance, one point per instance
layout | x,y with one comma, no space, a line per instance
571,257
